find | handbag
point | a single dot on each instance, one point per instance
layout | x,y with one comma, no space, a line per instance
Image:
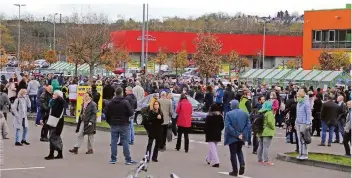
52,120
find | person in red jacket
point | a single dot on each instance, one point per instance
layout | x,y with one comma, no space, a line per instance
184,112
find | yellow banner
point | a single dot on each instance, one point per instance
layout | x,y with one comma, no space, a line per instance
151,67
133,64
81,90
224,69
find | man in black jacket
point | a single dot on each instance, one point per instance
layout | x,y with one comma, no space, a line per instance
118,116
108,91
45,109
133,102
229,95
328,119
341,117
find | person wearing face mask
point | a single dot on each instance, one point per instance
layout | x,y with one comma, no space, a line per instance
86,123
20,121
303,122
347,129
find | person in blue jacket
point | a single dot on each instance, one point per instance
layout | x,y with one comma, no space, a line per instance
236,126
219,96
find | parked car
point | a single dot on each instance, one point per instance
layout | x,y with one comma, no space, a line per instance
12,63
119,71
41,63
198,117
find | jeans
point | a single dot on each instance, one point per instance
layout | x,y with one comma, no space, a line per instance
255,143
24,134
156,148
346,139
323,133
33,99
39,116
303,147
213,153
180,131
264,144
174,126
131,140
249,134
227,108
118,131
236,152
340,129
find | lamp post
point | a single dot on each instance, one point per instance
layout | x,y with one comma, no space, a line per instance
19,29
55,32
264,43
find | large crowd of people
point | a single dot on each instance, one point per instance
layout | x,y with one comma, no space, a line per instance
247,114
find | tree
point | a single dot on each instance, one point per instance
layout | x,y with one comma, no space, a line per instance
51,56
88,38
160,58
75,61
3,57
207,54
237,61
334,60
6,39
291,64
180,60
26,55
119,55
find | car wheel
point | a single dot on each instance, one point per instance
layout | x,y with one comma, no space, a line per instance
138,119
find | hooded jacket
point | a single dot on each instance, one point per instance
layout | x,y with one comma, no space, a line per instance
132,100
118,112
269,120
229,95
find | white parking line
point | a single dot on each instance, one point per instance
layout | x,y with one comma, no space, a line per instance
14,169
226,173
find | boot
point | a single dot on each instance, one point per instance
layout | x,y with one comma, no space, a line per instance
50,156
59,155
89,152
74,150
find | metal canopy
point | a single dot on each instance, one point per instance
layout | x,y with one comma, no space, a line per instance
293,74
273,73
311,75
322,75
265,73
248,73
256,73
282,73
332,76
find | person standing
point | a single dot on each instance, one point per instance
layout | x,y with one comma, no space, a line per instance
229,95
108,91
166,109
184,111
267,135
131,98
4,130
86,124
258,106
328,119
11,90
316,112
5,103
55,84
45,109
20,120
214,124
153,126
303,122
72,96
138,91
341,118
208,99
174,115
55,141
347,129
118,115
219,96
236,124
32,89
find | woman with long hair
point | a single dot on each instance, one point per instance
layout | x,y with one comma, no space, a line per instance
86,123
20,121
11,90
214,124
184,110
208,99
153,126
57,110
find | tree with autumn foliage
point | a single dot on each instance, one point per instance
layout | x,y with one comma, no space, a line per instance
180,60
334,60
120,55
235,60
3,57
51,56
87,38
160,58
291,64
207,54
75,61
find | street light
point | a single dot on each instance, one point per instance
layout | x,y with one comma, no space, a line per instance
264,27
19,29
55,32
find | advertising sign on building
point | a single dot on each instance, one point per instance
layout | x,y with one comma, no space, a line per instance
133,64
151,67
81,90
224,69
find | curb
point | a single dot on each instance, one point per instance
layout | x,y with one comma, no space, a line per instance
104,129
321,164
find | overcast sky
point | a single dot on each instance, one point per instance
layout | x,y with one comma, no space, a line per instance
162,8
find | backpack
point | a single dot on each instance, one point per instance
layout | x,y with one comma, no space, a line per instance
145,115
258,123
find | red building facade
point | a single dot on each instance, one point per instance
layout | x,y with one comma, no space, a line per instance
245,44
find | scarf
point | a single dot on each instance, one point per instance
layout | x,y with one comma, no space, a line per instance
300,100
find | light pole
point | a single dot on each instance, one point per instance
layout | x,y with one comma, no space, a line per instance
264,43
55,32
19,29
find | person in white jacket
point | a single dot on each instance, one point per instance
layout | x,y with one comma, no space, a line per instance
11,90
138,91
32,89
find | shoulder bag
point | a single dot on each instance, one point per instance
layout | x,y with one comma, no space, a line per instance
52,120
